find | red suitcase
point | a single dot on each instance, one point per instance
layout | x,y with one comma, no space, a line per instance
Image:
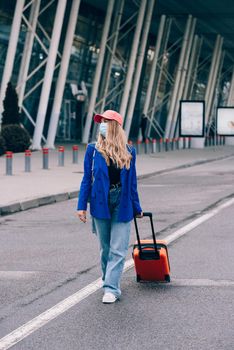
150,257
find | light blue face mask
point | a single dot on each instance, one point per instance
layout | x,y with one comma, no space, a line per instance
103,129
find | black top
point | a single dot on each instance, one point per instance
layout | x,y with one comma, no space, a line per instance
114,173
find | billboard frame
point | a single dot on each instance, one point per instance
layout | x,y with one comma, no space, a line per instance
203,118
222,107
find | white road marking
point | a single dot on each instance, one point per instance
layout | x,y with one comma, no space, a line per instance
26,329
39,321
182,231
152,185
201,283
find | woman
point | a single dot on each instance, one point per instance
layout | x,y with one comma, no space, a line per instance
110,182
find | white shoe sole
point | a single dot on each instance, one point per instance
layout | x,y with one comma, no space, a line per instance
110,301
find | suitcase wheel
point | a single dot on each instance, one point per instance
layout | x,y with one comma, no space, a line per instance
138,278
167,278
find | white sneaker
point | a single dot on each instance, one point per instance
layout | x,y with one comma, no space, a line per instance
109,298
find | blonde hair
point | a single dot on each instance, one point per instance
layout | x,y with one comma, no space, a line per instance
114,145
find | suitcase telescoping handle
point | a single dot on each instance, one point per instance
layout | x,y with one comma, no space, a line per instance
152,229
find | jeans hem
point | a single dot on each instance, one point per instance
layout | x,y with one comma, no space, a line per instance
109,290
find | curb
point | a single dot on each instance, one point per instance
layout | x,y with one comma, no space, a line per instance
184,166
63,196
37,202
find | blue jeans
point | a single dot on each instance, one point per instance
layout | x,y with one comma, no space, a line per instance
114,240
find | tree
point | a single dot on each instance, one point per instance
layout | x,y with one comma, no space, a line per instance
15,138
11,113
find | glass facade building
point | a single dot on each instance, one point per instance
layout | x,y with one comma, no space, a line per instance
144,61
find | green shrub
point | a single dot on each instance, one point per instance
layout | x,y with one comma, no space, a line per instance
2,145
10,114
16,138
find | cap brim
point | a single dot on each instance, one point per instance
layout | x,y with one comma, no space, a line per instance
97,118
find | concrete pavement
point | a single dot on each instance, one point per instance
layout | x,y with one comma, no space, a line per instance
23,191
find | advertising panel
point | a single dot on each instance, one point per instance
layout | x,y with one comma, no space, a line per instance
192,118
225,121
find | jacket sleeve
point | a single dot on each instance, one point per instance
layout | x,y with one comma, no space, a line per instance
86,183
134,194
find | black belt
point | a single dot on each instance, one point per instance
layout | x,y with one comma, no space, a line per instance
114,186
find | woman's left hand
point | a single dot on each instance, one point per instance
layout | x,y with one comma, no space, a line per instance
140,215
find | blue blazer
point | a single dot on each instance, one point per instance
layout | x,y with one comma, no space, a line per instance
95,185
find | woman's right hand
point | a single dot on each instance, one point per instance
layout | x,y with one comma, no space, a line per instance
82,215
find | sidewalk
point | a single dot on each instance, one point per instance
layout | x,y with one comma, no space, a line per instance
22,190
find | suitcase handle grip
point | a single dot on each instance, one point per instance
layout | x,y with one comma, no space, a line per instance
146,213
150,215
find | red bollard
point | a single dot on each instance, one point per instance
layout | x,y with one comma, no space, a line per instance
167,145
209,141
160,145
75,149
147,146
178,143
189,142
45,161
138,146
172,143
61,156
28,154
9,156
154,145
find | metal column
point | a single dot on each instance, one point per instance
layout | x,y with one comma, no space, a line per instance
215,91
230,140
230,101
173,102
140,59
11,51
193,58
213,76
182,80
32,30
48,74
25,61
114,38
211,71
106,72
62,74
98,71
154,64
157,79
195,70
132,60
211,83
219,62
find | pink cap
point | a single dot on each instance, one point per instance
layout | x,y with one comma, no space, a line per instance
109,114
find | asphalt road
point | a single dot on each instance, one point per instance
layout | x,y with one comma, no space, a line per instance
46,255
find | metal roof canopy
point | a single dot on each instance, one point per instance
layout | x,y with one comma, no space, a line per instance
213,17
